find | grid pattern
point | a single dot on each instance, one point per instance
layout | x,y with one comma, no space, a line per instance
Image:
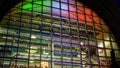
55,34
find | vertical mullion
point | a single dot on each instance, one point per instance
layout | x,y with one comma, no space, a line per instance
93,24
51,35
112,49
110,39
78,27
19,31
41,16
30,42
61,34
71,56
104,49
88,46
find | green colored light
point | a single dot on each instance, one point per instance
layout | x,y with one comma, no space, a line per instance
32,0
37,40
38,6
28,6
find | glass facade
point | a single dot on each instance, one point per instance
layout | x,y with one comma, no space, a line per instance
55,34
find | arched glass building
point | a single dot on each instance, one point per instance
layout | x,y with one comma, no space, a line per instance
55,34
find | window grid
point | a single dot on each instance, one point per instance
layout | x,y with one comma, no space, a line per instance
88,39
78,35
104,47
61,33
39,34
18,39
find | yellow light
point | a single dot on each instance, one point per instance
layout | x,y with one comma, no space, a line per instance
33,37
31,49
31,61
82,43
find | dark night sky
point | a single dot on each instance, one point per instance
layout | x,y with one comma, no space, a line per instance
117,2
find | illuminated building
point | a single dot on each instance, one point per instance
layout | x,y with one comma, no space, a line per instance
55,34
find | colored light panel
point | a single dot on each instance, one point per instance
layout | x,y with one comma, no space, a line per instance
64,13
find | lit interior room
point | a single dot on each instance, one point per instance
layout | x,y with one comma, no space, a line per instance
55,34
